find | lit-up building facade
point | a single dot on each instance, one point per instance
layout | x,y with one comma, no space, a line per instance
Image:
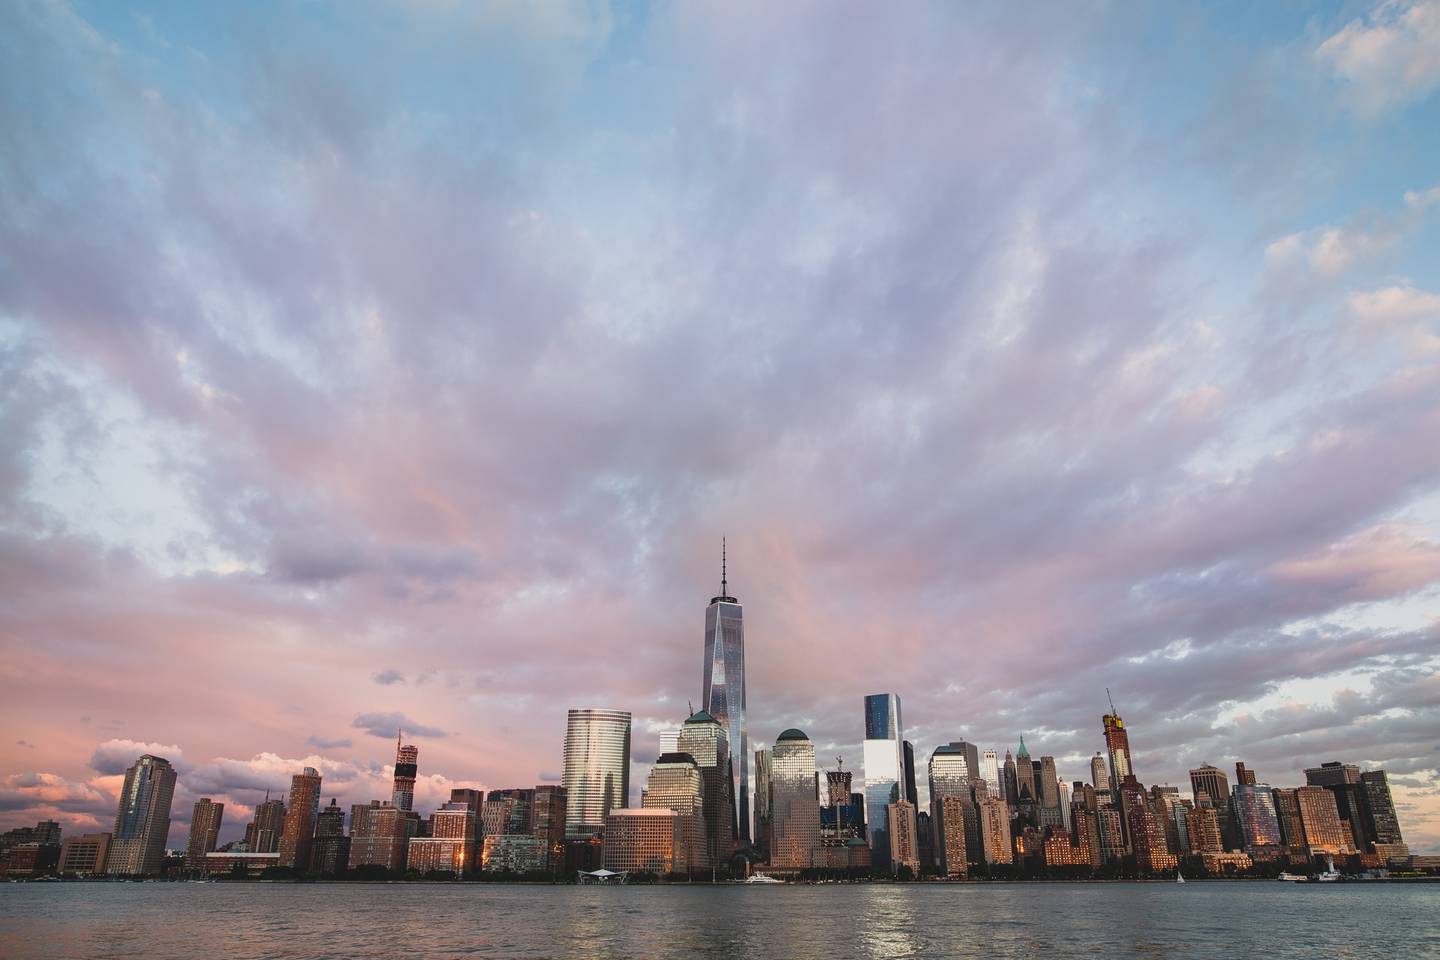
675,784
1254,809
299,830
597,768
407,762
795,810
705,740
204,828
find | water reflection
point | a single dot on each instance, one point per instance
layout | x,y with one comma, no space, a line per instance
359,921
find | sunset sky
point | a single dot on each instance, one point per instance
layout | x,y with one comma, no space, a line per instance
385,364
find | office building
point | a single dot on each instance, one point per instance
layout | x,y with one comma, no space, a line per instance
1343,780
762,803
142,820
705,740
724,691
1211,784
795,810
647,838
884,754
1244,775
204,828
1292,830
597,769
952,781
300,811
84,856
675,784
990,772
1099,774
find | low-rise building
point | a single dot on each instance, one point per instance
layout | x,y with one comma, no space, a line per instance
84,856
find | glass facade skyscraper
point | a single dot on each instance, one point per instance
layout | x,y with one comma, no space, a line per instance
142,820
597,768
724,694
884,770
794,807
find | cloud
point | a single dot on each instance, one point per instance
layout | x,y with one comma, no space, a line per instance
388,677
1389,57
386,724
52,792
1411,314
325,743
116,756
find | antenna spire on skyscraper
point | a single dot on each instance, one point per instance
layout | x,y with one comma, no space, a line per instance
724,577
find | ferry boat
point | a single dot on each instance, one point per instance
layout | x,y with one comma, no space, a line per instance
1293,877
760,878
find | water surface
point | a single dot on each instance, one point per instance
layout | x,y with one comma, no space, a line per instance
171,921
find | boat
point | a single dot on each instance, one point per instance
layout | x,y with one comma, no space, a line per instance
761,878
1179,877
1293,877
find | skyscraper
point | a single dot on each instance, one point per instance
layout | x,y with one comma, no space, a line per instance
795,811
675,784
762,803
1099,774
1343,780
990,770
142,820
884,770
1379,808
952,807
1320,820
407,759
1255,815
704,739
300,814
204,827
1117,747
1210,787
724,693
910,794
597,768
547,822
262,834
1025,782
330,850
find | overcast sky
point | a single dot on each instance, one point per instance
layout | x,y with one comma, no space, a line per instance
386,363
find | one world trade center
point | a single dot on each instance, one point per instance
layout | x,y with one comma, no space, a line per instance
724,697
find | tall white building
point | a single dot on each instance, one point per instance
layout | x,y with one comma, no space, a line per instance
723,696
597,768
990,771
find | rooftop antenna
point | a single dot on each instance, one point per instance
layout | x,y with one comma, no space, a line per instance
398,734
724,579
840,763
691,707
1112,701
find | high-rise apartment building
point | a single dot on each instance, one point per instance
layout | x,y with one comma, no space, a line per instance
1379,817
704,739
380,834
723,696
1325,833
995,831
1343,780
300,811
1099,775
450,846
1244,775
262,834
547,823
1203,826
904,840
330,849
597,768
884,752
1117,750
1254,808
795,810
407,762
204,828
142,820
1292,829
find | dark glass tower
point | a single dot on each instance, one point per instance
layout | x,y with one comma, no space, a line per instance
724,694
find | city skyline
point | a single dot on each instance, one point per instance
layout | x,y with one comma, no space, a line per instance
403,367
